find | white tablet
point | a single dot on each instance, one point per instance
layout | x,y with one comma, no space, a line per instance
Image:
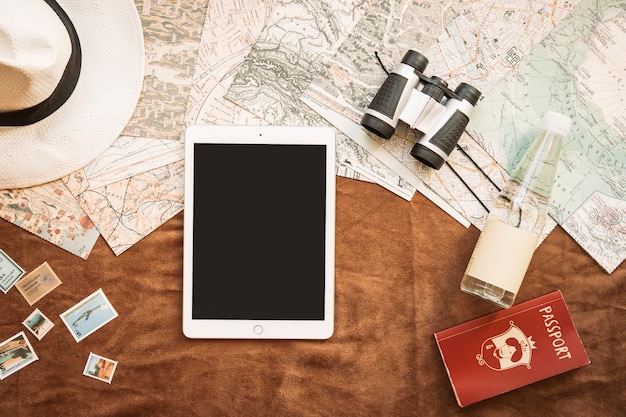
259,243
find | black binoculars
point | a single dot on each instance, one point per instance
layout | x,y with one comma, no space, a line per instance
425,104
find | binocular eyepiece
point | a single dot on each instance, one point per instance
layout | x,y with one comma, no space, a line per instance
425,104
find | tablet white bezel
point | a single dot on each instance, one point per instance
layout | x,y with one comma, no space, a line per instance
259,329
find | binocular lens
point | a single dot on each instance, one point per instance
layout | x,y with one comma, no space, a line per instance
381,116
377,126
415,59
468,92
434,149
434,152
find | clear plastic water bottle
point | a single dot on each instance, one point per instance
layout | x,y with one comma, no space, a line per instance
512,230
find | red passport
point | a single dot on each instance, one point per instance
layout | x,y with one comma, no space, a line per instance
511,348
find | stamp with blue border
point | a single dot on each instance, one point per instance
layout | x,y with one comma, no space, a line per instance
10,272
88,315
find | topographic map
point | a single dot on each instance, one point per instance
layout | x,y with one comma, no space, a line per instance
478,43
288,54
230,30
577,70
128,210
172,32
131,189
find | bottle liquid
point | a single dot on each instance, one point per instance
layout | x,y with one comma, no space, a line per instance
516,221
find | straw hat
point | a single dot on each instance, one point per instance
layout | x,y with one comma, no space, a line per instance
71,73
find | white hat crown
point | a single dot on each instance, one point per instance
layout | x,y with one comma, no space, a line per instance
34,51
71,73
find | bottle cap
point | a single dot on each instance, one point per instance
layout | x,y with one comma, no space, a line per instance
556,121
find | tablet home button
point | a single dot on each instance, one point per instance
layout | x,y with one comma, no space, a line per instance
258,330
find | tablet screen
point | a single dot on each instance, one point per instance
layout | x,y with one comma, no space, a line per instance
259,215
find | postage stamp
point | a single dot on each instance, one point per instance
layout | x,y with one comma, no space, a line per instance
38,324
99,367
15,353
10,272
38,283
88,315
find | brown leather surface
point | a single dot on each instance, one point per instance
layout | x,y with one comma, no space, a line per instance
398,267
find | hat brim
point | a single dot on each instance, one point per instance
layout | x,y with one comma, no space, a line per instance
101,105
